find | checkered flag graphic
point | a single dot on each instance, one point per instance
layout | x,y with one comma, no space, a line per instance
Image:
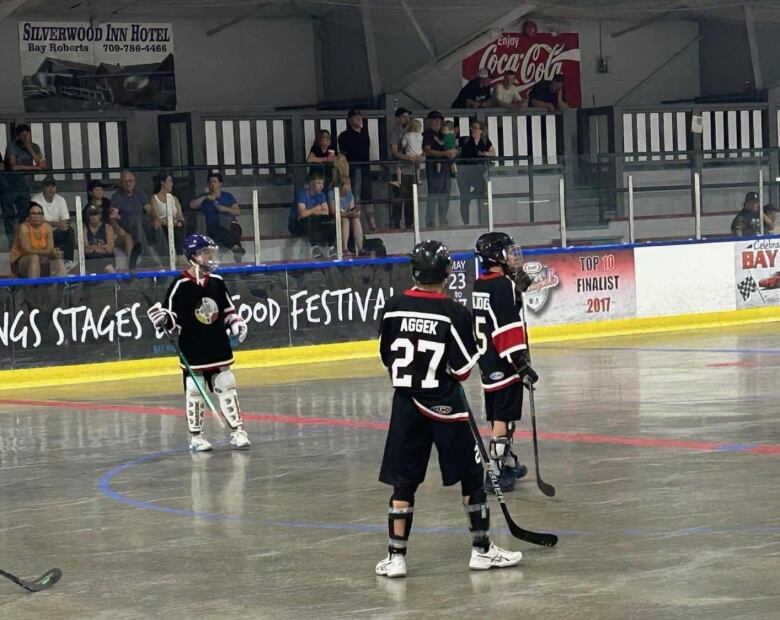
747,287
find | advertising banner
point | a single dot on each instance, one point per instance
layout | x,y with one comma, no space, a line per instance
533,57
106,320
578,287
757,273
69,66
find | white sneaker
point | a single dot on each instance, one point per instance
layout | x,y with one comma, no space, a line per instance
496,557
198,443
239,439
394,565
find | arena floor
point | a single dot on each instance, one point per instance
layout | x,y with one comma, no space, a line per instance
665,451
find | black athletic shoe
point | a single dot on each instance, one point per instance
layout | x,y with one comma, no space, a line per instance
521,471
506,480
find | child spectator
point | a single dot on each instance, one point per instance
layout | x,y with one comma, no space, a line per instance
411,144
449,142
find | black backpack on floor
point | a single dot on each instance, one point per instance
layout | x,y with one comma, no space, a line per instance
375,246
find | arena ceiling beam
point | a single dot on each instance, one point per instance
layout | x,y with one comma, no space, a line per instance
420,32
242,16
9,6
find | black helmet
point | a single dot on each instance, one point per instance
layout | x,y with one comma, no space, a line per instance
497,249
430,262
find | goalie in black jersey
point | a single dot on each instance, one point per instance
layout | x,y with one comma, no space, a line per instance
428,347
500,330
198,306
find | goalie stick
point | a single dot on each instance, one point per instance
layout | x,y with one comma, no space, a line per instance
190,372
536,538
45,581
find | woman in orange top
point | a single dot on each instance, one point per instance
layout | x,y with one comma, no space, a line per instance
33,253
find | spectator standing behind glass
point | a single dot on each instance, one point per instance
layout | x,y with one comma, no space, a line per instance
438,177
163,200
411,145
98,242
310,216
323,152
55,213
402,193
548,94
355,144
221,210
747,224
350,215
476,93
471,175
506,93
21,156
33,253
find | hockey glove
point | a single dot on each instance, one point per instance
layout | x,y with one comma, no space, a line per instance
236,326
523,281
528,374
164,320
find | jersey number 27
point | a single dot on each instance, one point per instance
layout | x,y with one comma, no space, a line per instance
407,349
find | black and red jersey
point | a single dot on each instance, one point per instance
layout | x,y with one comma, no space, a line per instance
200,308
427,345
499,329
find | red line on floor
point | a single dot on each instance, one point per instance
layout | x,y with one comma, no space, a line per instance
614,440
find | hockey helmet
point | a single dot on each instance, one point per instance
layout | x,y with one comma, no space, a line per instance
195,244
497,249
431,262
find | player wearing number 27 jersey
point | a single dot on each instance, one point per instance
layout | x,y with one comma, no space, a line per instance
427,345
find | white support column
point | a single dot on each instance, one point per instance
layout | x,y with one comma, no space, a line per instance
256,224
170,208
761,198
697,204
631,230
80,236
337,209
562,206
490,205
416,212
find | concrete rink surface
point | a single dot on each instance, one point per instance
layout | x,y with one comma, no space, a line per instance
664,449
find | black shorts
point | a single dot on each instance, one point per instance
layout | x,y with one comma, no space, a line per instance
208,375
505,405
408,447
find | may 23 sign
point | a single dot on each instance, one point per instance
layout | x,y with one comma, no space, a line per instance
70,66
534,57
578,287
757,264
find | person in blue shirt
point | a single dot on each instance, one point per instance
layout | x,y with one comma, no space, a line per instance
221,210
310,217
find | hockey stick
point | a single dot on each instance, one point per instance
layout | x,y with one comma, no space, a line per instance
190,372
45,581
544,487
536,538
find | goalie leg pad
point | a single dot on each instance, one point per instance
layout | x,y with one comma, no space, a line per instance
397,542
196,406
478,515
225,388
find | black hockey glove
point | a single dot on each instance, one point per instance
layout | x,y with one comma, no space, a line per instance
527,373
523,281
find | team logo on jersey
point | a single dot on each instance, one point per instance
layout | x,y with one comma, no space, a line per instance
207,312
442,409
496,376
544,280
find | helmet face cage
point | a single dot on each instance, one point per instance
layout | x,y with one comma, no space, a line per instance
514,258
497,249
206,258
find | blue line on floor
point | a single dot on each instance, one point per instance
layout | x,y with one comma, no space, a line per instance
574,349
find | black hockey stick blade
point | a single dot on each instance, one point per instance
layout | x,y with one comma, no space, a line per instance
44,582
535,538
544,487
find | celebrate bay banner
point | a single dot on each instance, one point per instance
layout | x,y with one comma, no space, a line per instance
70,66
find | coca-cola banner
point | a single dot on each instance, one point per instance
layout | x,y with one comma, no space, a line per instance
534,57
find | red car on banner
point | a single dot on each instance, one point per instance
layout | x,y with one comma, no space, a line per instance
534,57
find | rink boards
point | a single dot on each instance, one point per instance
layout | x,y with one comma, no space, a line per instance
317,312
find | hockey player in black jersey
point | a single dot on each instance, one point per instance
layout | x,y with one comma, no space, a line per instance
428,347
198,306
499,327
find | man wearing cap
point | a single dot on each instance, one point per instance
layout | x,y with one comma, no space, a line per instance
55,212
746,222
402,195
548,94
476,93
355,144
438,177
22,156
